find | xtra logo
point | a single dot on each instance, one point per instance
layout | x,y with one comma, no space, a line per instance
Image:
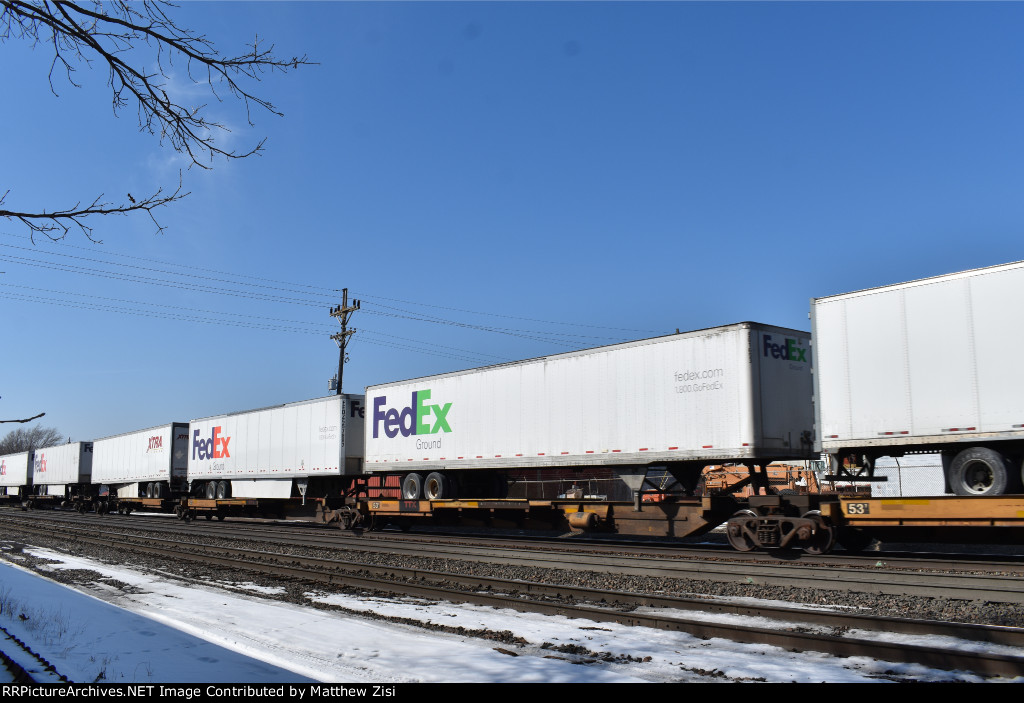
790,350
155,444
411,419
215,447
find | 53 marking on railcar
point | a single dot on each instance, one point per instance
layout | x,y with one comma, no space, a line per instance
858,508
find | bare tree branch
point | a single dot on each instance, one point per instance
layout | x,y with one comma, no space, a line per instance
58,223
114,35
27,419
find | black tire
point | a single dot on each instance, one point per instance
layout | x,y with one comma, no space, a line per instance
499,486
211,490
980,471
853,540
223,490
159,489
412,487
147,491
436,487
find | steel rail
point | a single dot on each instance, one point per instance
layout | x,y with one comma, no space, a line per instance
353,575
370,541
877,580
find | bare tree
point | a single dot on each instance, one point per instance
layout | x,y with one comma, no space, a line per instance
113,34
26,440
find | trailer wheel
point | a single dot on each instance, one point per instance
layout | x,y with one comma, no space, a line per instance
211,490
412,487
980,471
222,490
159,489
737,532
853,540
436,487
500,486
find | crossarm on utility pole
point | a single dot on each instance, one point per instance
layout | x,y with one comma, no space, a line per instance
343,312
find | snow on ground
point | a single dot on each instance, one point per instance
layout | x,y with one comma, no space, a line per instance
152,628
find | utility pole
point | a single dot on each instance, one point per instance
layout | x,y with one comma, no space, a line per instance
343,312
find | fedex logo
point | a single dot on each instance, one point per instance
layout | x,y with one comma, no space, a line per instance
411,420
40,463
214,447
3,468
790,350
155,443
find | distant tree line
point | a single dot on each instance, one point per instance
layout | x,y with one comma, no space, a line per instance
26,440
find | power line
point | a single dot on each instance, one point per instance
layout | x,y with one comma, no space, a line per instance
292,288
191,316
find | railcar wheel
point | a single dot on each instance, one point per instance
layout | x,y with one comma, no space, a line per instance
980,471
824,536
208,517
739,539
436,487
412,487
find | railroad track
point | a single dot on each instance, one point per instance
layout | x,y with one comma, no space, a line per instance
871,576
995,650
307,534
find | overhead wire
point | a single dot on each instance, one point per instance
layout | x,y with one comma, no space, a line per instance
365,296
191,316
258,291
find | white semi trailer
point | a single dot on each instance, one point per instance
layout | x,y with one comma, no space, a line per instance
924,367
150,463
15,473
277,452
738,393
63,472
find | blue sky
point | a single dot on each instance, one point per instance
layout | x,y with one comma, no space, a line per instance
573,173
